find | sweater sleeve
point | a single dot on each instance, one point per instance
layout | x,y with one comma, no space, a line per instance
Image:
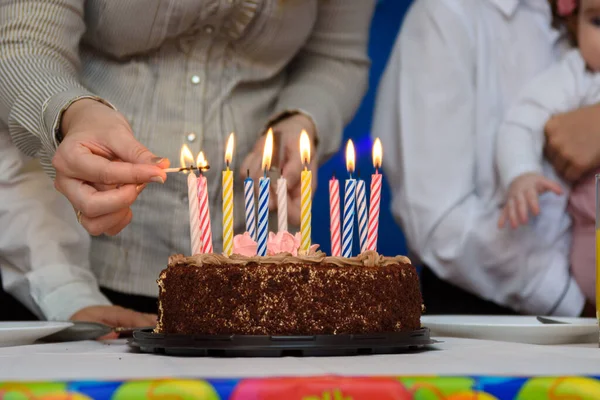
328,78
39,70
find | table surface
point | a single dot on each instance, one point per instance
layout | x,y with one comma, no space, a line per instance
114,360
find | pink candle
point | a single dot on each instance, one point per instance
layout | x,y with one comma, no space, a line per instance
205,230
375,197
334,217
194,214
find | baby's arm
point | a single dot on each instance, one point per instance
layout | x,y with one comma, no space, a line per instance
520,140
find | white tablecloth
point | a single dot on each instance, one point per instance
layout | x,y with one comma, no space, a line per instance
115,361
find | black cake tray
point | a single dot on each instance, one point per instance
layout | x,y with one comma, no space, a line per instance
279,346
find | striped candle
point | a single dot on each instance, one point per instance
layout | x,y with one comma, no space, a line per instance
282,214
250,212
228,199
228,212
349,203
205,229
361,205
305,194
263,215
374,211
264,184
196,243
375,196
334,217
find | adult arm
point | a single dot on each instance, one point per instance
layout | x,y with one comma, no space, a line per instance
328,77
426,120
41,97
42,248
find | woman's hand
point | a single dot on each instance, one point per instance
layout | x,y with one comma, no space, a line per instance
573,142
523,196
101,168
114,316
287,157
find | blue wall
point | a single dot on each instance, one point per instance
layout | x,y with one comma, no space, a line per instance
384,28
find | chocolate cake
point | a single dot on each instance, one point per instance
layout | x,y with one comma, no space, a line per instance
288,295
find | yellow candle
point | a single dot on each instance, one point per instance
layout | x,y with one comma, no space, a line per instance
228,200
306,195
598,274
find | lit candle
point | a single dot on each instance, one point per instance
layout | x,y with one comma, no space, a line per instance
263,197
250,212
349,203
361,205
205,229
187,160
305,194
228,200
375,196
282,215
334,217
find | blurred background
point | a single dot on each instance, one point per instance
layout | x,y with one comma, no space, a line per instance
384,28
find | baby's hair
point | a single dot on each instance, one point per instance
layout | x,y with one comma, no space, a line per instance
568,23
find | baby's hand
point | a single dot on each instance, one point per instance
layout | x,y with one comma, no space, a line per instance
523,198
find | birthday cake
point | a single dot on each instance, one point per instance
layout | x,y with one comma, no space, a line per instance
287,293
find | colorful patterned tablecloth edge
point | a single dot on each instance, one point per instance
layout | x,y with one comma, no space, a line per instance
314,388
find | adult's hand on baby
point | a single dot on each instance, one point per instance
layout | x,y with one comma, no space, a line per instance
522,198
101,168
573,142
287,157
114,316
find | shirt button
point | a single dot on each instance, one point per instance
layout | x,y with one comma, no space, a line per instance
209,29
191,137
195,79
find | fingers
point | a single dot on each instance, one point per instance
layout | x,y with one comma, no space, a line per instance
93,203
123,317
546,184
129,150
503,217
532,201
110,224
522,211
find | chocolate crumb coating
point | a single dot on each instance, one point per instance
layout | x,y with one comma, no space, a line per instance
294,296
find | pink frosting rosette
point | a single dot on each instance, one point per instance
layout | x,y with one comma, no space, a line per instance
285,242
281,242
244,245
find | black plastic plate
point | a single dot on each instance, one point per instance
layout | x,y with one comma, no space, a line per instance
278,346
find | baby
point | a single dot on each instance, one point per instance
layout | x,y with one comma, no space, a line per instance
569,85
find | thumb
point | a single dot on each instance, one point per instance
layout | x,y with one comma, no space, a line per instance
128,149
546,184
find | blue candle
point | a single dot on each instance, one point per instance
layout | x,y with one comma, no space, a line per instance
263,215
263,197
249,207
361,207
349,203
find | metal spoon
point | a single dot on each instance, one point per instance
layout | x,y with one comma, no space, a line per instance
86,331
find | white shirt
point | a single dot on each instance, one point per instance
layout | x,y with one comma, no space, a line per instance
456,66
44,252
564,87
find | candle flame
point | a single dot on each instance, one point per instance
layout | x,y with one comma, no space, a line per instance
377,154
201,162
304,148
350,155
268,152
229,149
186,158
